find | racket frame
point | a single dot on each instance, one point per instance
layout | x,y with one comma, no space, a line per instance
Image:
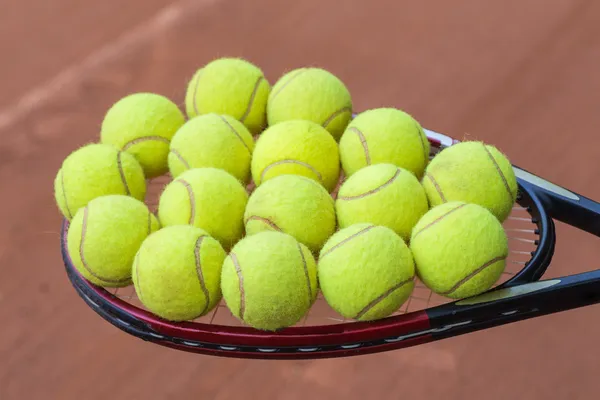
519,298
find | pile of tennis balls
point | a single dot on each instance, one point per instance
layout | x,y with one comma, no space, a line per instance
278,193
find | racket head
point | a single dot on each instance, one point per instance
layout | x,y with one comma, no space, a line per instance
322,333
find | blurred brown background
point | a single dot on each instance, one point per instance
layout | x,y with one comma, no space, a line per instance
521,74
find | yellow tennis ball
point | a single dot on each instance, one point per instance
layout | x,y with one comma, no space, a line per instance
382,194
460,249
96,170
298,148
104,236
231,86
208,198
472,172
366,272
384,135
177,273
295,205
212,140
269,280
312,94
143,124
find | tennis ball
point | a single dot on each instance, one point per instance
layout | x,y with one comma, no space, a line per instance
295,205
231,86
472,172
459,249
366,272
104,236
384,135
96,170
208,198
177,272
298,148
143,124
382,194
212,140
269,280
312,94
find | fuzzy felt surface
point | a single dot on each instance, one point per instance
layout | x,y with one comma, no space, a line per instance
296,147
104,236
269,280
295,205
96,170
384,135
231,86
212,140
366,272
382,194
208,198
177,272
460,249
472,172
312,94
143,124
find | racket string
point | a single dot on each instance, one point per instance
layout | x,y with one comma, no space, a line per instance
522,234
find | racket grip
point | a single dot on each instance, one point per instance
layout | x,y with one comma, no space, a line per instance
562,204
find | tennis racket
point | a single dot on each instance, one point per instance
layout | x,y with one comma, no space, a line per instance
425,317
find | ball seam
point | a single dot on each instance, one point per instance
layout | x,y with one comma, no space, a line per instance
122,173
235,133
373,191
137,277
436,186
238,271
502,177
252,98
180,157
335,114
287,161
192,199
346,240
305,269
382,297
438,219
196,84
62,184
199,273
81,251
144,139
149,223
421,134
291,78
265,220
464,280
363,142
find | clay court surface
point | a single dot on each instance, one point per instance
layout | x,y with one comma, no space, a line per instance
523,75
